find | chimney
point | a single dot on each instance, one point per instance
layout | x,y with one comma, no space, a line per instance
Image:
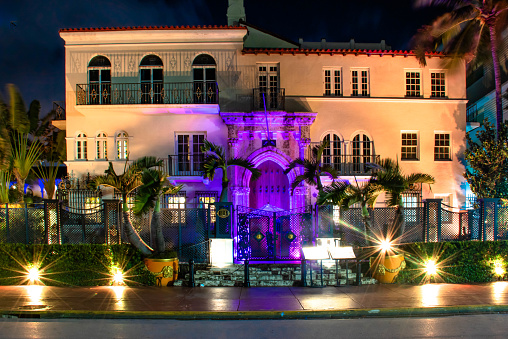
236,12
323,43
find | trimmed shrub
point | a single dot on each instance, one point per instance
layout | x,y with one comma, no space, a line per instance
458,262
72,265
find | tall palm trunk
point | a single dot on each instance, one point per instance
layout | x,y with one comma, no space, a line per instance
156,222
20,185
131,233
224,192
497,77
399,223
368,225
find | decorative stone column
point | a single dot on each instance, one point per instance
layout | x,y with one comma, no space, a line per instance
240,195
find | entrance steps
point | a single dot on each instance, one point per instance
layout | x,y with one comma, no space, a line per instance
268,275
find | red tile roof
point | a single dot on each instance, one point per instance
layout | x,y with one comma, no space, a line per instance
141,28
331,51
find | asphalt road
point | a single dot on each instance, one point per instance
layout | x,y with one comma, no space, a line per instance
467,326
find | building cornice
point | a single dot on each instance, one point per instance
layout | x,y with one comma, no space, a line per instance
380,99
159,35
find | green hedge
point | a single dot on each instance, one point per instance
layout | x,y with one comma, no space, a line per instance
72,265
458,262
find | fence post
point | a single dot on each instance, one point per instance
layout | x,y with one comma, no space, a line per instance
433,217
179,233
111,218
51,207
7,222
488,217
27,236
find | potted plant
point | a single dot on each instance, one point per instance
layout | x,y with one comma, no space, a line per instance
162,263
164,266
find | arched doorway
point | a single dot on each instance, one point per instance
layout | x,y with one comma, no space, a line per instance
272,187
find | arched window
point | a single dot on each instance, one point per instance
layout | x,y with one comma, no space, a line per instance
205,81
101,143
81,147
99,80
362,149
122,145
152,80
333,152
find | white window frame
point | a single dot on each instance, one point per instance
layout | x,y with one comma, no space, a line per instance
335,85
81,146
440,146
122,145
444,91
101,146
331,151
420,83
192,160
417,145
362,82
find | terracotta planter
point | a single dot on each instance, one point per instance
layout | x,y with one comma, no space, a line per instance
387,270
164,270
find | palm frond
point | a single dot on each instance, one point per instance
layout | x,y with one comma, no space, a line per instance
248,165
24,156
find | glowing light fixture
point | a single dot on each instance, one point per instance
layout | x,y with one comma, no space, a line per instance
221,252
33,274
385,245
117,276
430,267
499,268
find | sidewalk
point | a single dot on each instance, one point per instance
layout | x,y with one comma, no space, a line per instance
252,303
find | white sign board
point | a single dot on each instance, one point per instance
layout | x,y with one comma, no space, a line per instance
315,253
338,253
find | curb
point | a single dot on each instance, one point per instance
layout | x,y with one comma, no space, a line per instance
251,315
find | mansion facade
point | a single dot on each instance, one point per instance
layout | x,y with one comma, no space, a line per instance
161,91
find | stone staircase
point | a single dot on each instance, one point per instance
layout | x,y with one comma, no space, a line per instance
267,275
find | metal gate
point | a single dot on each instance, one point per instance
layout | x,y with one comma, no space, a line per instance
268,235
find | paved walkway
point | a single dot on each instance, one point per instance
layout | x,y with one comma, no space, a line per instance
251,303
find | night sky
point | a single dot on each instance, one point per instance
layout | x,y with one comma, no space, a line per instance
32,53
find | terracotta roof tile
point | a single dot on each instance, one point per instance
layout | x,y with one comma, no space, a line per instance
141,28
330,51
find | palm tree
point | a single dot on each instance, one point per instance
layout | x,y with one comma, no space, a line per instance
148,198
24,156
391,179
472,30
125,183
215,158
313,168
345,195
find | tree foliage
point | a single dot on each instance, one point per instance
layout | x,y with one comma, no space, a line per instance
215,159
471,31
313,168
487,171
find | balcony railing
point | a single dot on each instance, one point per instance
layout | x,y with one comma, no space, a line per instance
183,93
274,99
184,165
352,164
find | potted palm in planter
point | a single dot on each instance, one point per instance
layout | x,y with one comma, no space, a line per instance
162,263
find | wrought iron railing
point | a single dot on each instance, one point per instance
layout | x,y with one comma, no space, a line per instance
184,165
352,164
59,108
148,93
273,98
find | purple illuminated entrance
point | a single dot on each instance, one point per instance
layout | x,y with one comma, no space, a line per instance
271,188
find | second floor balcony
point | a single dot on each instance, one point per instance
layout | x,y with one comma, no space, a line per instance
269,98
175,93
186,164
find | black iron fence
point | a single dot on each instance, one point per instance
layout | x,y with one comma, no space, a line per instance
185,230
203,92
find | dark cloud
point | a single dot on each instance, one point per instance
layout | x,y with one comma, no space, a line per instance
33,54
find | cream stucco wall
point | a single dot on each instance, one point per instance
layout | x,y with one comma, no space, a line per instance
151,128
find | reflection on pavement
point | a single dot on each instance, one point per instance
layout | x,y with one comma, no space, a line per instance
498,289
430,294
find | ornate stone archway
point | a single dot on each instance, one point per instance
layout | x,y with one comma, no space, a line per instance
240,190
